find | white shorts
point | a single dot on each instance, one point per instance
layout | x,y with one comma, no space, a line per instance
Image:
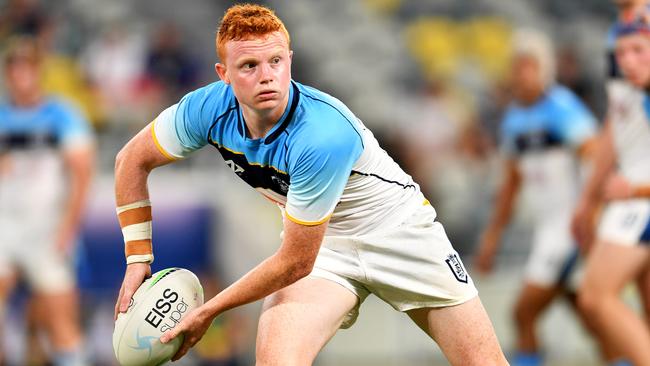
30,251
409,267
553,254
626,222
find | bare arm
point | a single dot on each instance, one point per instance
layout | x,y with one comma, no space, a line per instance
603,162
133,164
491,238
604,159
132,167
294,260
80,165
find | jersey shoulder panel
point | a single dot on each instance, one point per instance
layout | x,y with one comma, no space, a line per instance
69,122
570,117
320,106
184,127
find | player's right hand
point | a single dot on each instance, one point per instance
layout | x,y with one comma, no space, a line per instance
582,226
135,274
484,261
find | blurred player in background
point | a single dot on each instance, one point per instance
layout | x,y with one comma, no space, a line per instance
545,134
621,178
305,151
46,163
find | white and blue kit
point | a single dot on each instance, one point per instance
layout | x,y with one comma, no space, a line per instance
544,139
33,188
627,222
320,162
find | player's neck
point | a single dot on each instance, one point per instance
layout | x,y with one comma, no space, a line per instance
260,122
26,100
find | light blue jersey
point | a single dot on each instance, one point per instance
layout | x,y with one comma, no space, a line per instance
559,118
318,161
544,139
52,123
33,182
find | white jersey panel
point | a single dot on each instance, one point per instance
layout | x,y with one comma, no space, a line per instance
378,194
631,131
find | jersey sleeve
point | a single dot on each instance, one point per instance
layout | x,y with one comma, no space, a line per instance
183,128
576,123
319,168
72,128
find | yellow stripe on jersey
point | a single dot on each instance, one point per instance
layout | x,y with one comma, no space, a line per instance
306,223
157,143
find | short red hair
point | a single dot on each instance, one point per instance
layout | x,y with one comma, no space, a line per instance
245,21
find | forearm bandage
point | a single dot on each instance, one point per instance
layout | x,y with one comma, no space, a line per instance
135,220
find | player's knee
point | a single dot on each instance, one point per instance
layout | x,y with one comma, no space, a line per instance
588,302
523,314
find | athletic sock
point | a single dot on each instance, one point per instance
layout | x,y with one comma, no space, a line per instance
69,358
527,359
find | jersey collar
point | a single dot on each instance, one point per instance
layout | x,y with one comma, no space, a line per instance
283,122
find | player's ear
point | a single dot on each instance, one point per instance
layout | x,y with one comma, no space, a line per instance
291,55
221,71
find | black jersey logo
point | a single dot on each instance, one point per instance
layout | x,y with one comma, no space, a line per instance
235,168
456,267
256,175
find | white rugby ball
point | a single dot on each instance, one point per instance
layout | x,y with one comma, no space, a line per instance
158,305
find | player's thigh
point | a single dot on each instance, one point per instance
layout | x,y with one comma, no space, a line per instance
463,332
298,320
611,266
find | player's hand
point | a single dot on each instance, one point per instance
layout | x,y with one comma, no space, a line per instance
618,188
193,327
582,226
484,261
133,277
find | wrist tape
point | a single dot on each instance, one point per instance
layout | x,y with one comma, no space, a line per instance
135,220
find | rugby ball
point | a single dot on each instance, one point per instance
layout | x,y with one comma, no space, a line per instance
158,305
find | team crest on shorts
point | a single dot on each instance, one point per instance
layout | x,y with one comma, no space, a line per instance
456,267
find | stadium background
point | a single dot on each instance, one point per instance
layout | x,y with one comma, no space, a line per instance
428,77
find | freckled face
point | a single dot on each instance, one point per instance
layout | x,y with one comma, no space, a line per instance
259,71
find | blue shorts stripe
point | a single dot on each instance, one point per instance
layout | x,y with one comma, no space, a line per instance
645,236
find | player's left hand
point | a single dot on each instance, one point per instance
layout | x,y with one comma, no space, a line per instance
193,327
618,188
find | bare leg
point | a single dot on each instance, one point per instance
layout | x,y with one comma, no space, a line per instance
63,330
297,321
609,268
7,284
463,332
532,302
35,313
607,350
